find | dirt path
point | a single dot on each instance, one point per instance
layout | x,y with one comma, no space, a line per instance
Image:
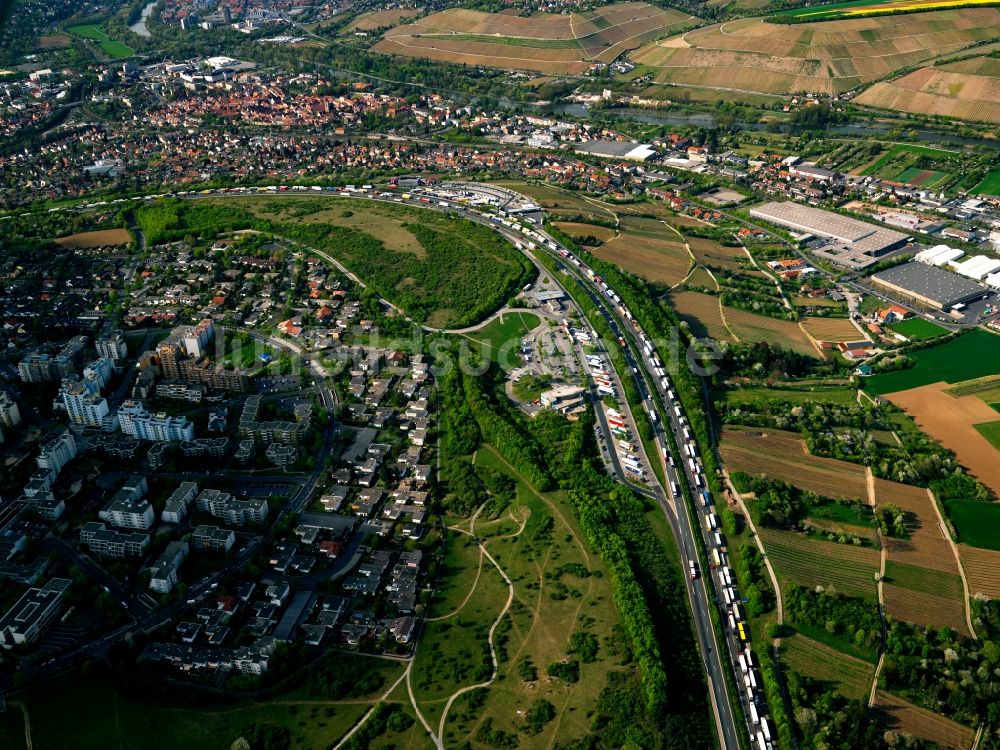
386,694
883,558
958,561
27,723
472,590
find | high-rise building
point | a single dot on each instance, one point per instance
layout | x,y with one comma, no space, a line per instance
69,358
197,338
57,451
139,423
113,347
82,405
98,373
36,367
10,414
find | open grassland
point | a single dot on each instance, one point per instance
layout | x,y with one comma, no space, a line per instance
544,42
902,716
501,337
982,568
782,455
973,355
831,329
965,90
976,522
854,8
702,313
381,19
810,562
560,588
955,422
836,394
107,715
750,54
112,47
749,326
100,238
849,676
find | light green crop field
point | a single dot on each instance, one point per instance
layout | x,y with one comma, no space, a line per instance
113,47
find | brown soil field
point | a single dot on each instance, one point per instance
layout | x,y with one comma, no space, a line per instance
751,327
982,569
831,329
810,562
782,455
927,546
99,238
380,19
544,42
577,230
922,608
966,90
650,259
950,421
54,41
712,254
851,677
750,54
702,313
900,715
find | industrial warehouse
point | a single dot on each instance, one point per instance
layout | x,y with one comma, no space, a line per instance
851,243
930,285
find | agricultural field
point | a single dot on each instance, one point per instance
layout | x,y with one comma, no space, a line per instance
544,42
782,455
835,394
374,20
100,238
977,522
897,164
990,431
831,329
991,183
748,326
702,313
662,261
811,562
918,329
849,676
900,715
112,47
751,54
982,569
954,422
580,231
964,89
972,355
854,8
933,598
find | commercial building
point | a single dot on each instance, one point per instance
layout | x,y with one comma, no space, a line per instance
849,242
565,399
57,451
236,511
164,570
25,621
929,285
113,347
105,542
616,150
176,507
213,538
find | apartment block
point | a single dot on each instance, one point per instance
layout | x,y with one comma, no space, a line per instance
113,347
235,511
57,451
25,621
105,542
176,508
213,538
10,414
164,570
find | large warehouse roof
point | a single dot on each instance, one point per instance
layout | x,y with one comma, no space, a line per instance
930,284
858,235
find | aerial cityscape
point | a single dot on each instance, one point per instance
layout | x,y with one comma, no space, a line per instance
495,374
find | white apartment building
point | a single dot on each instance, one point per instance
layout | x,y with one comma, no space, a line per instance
57,451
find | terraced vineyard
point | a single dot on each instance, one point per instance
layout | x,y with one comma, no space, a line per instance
752,327
967,90
750,54
927,546
895,713
782,455
702,314
831,329
813,562
545,42
924,608
851,677
982,568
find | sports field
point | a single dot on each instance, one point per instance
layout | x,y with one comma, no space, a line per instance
750,54
973,355
897,164
918,329
95,33
964,89
544,42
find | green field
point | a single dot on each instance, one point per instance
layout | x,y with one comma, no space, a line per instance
849,676
924,580
895,162
990,184
841,395
12,729
95,33
925,178
990,431
973,355
977,523
918,329
503,334
812,562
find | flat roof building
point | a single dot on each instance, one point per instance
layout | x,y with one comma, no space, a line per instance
929,285
24,622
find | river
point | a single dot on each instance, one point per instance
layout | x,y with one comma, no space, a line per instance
707,120
139,27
